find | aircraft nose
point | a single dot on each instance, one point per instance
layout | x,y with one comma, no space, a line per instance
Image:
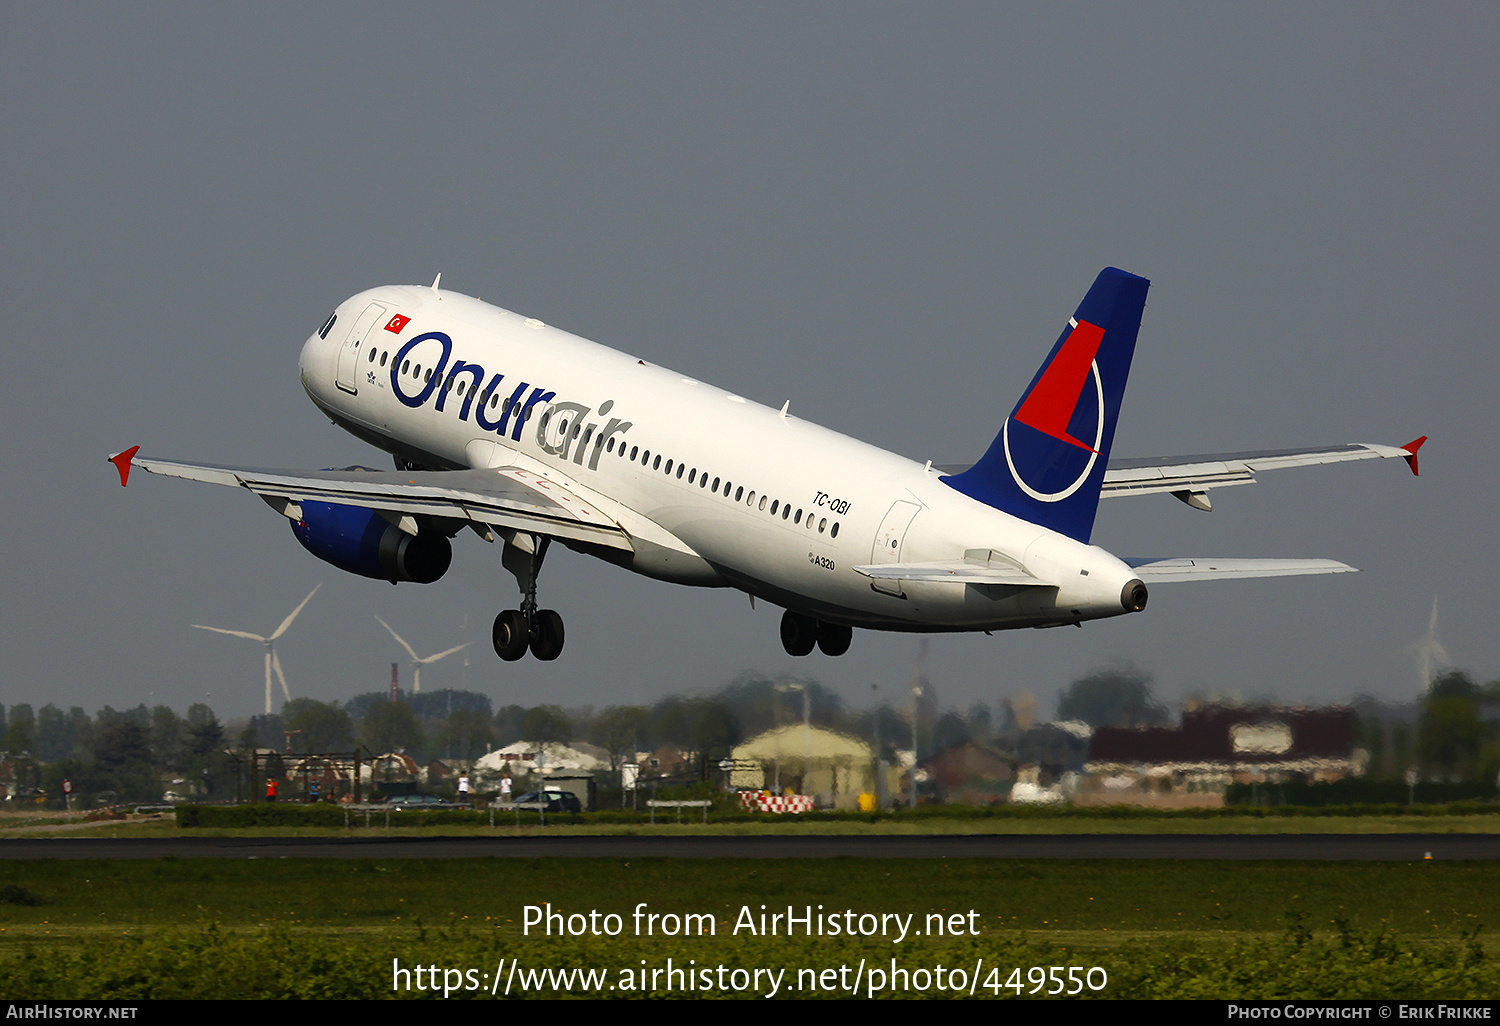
305,359
313,362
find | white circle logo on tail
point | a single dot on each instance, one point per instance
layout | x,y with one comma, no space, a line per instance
1093,456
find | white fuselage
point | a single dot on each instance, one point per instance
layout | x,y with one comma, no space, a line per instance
756,500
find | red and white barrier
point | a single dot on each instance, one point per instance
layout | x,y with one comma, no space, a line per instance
764,801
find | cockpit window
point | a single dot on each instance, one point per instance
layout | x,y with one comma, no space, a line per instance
326,328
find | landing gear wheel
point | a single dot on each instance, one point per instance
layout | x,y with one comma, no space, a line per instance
834,638
510,635
547,635
798,633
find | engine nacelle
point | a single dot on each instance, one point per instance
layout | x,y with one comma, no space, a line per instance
363,542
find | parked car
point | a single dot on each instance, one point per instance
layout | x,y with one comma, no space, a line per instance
401,802
556,800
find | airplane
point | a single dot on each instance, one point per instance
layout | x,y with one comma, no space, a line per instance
527,434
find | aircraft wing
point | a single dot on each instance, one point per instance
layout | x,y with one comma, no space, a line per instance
504,497
1155,570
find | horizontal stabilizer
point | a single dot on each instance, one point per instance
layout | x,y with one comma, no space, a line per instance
1155,570
1199,473
1190,477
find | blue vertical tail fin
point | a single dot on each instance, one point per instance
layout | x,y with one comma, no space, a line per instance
1047,463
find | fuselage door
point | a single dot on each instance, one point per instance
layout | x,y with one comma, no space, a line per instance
889,539
348,370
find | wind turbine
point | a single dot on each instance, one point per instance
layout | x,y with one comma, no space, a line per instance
1431,655
417,662
269,643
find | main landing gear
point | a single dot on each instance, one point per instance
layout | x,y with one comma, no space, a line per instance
516,630
800,633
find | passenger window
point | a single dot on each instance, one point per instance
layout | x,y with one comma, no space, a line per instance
739,493
774,503
372,356
835,532
798,518
822,524
680,468
669,468
382,358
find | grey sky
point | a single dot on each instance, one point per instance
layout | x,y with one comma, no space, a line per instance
883,213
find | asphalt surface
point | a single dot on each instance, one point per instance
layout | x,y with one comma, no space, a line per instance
1309,847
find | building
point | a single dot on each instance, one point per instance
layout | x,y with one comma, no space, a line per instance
834,768
1217,745
968,774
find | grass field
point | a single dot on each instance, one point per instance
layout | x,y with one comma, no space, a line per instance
506,824
310,928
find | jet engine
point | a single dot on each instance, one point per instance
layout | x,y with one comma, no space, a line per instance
363,542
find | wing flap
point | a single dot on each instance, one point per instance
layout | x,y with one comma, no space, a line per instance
505,497
1155,570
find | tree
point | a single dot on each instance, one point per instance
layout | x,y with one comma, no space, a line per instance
20,731
320,726
466,734
1111,698
547,725
440,704
264,731
208,765
167,744
1450,731
618,730
122,754
508,723
391,726
57,732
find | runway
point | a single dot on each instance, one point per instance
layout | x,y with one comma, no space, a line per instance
1308,847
